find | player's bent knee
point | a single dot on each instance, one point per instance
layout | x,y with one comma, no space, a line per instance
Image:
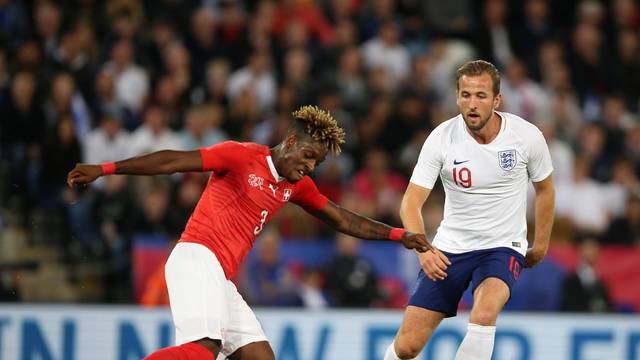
407,350
484,317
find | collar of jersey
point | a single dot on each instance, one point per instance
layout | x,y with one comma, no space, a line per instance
503,126
274,172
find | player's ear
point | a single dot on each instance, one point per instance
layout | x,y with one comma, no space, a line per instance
496,101
290,141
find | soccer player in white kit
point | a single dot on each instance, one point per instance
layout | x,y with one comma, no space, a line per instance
485,159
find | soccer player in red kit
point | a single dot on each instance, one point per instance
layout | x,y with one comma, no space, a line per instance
248,185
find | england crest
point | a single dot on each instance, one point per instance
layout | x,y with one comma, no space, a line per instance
507,159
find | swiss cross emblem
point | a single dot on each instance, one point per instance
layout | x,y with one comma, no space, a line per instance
256,181
286,195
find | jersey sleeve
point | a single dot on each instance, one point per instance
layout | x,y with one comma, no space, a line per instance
430,161
222,156
308,196
539,164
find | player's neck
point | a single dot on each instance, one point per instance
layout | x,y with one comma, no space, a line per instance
489,131
276,156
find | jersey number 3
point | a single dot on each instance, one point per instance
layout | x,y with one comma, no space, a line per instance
462,177
263,218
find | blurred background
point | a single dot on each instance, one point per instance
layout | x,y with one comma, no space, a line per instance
96,81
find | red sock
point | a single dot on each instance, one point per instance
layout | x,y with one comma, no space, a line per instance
188,351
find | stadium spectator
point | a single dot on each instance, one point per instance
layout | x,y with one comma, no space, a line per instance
131,80
270,282
386,51
257,78
23,122
311,290
625,229
202,127
494,38
380,186
583,202
522,95
154,134
351,280
583,290
108,141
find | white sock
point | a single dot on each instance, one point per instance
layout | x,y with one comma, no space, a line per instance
390,354
477,344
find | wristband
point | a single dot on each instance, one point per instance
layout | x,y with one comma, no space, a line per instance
108,168
396,234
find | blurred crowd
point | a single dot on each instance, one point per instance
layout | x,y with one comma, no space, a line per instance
96,81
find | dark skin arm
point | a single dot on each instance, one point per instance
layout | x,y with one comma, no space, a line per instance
363,227
156,163
170,161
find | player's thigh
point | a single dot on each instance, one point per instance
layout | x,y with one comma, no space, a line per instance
260,350
488,300
196,285
243,328
494,277
416,329
444,295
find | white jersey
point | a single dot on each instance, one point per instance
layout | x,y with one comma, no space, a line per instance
485,184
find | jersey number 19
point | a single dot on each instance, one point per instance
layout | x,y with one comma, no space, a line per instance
462,177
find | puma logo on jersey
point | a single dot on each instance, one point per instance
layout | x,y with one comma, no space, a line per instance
459,162
273,189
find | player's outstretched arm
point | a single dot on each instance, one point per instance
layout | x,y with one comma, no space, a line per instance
363,227
156,163
544,211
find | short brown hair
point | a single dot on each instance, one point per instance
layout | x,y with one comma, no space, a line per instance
320,126
477,68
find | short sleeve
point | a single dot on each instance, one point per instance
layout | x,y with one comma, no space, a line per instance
308,196
539,164
430,161
220,157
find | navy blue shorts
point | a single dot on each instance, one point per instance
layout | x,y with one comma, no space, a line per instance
470,267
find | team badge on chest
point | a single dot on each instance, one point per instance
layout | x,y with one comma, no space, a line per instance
507,159
256,181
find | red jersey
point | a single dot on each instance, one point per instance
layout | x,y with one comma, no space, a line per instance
243,192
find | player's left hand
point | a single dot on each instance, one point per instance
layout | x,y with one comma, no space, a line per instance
534,257
416,241
83,174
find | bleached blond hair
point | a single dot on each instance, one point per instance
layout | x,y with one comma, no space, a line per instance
319,125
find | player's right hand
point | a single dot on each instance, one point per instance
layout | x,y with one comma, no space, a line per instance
434,264
416,241
83,174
